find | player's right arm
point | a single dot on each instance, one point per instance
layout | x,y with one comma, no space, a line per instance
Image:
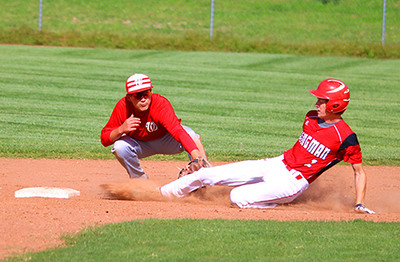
117,124
129,125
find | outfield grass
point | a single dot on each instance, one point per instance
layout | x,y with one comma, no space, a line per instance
229,240
316,27
54,101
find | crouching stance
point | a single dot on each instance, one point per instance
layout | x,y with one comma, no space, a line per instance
326,140
144,124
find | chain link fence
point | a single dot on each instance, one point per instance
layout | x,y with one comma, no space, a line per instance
366,21
215,24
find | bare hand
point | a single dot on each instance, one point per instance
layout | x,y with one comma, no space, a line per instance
130,124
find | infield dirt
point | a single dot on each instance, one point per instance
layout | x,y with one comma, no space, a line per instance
33,224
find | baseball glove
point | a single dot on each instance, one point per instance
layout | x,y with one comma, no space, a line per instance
193,166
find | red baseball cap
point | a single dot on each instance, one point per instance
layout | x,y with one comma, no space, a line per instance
137,83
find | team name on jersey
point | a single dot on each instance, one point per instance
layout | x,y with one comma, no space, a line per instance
313,146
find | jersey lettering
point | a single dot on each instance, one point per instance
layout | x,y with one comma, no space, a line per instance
313,146
312,163
325,153
319,150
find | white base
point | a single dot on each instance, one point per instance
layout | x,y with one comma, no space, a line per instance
50,192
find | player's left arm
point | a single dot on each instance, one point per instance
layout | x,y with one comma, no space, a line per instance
166,117
360,180
350,152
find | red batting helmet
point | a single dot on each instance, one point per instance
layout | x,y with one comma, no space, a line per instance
137,83
336,92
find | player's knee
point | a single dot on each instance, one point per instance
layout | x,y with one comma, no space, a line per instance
122,149
119,147
191,133
205,176
237,198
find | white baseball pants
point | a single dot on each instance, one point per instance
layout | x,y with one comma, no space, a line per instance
260,183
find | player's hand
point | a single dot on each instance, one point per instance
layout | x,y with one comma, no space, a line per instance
130,124
360,208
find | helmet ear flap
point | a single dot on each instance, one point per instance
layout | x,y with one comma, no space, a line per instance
335,106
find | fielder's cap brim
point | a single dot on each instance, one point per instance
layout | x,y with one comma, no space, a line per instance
139,90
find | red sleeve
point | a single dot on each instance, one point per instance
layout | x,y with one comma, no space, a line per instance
117,118
172,124
350,150
180,135
352,154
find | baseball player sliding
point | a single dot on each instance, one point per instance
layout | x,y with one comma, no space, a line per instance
326,140
144,124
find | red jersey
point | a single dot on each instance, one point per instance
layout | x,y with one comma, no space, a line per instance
320,148
159,119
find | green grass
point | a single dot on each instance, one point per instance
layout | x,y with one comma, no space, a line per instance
229,240
336,28
54,101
